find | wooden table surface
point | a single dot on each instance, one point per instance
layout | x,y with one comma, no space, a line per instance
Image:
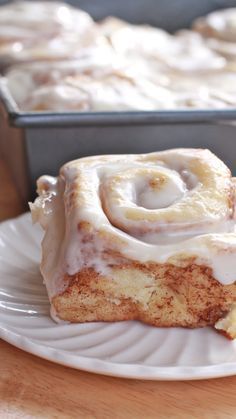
33,388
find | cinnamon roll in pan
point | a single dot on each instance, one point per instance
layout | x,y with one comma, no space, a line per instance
36,30
128,67
91,84
149,237
220,24
218,30
98,81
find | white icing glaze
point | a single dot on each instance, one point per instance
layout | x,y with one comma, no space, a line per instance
59,98
219,24
196,223
45,17
107,90
117,91
108,87
25,80
186,51
43,30
113,65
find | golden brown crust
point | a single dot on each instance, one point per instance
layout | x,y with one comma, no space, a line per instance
161,295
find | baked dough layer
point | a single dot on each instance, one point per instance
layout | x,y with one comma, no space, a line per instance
161,295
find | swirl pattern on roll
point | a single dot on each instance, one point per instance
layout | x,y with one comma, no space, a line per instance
177,191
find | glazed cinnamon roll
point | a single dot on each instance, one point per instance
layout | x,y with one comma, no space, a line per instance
219,30
99,81
206,91
35,30
186,51
42,85
85,85
220,24
112,65
149,237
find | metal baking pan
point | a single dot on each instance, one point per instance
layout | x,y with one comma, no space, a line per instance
39,143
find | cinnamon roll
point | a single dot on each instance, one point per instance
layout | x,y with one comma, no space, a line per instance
113,65
42,85
35,30
149,237
99,82
186,51
206,91
85,85
219,30
220,24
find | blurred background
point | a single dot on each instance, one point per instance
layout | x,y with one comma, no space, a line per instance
172,14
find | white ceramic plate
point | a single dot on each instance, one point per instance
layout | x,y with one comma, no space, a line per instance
124,349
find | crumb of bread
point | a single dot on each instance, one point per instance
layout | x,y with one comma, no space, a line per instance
227,325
